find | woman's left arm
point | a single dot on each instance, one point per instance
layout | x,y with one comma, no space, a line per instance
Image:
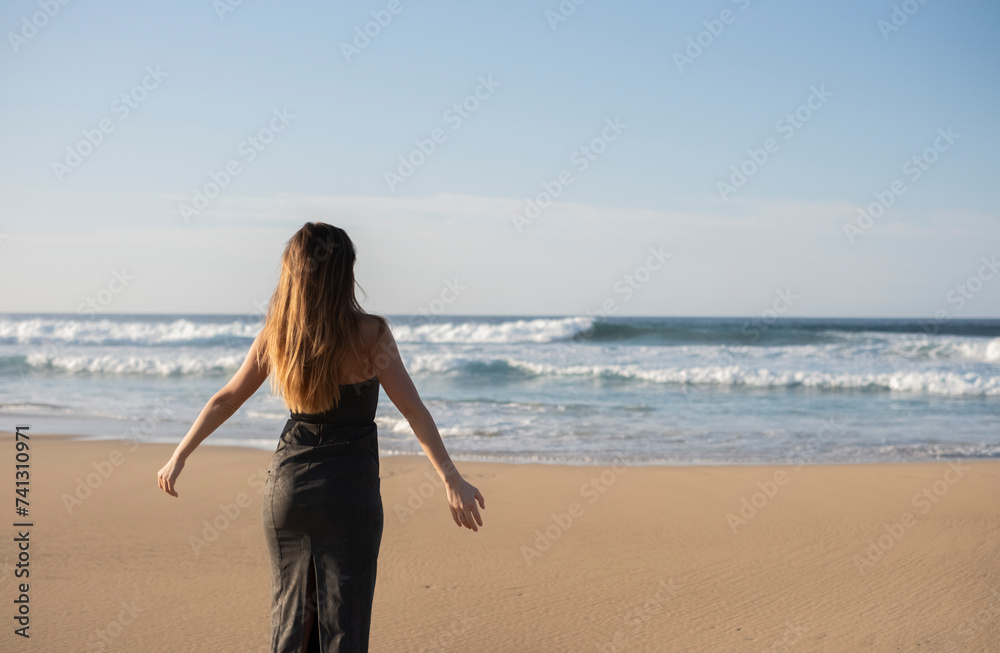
219,408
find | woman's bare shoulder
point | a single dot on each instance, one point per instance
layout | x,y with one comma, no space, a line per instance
371,324
373,330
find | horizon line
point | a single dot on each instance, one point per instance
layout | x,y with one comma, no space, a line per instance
526,315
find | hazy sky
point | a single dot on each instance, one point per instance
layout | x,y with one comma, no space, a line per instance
703,158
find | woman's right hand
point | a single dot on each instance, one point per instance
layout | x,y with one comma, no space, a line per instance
462,498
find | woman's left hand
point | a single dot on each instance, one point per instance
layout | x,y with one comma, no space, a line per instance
167,476
462,498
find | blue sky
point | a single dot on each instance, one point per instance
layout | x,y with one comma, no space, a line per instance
552,88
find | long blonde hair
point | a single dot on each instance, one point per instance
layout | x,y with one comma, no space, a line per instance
313,318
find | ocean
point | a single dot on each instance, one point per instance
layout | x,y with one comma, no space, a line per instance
556,390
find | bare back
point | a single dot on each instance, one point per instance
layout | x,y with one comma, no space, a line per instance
360,366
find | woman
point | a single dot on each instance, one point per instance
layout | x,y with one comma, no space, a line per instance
322,508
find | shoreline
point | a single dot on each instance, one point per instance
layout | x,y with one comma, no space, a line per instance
498,459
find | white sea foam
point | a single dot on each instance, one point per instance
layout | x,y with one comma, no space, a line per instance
514,331
931,382
907,346
107,330
167,364
266,414
49,333
181,330
951,382
772,369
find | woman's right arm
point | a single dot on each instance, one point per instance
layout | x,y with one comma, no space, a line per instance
392,374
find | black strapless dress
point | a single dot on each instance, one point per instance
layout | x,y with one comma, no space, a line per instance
322,518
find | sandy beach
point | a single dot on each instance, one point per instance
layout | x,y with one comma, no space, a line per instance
888,557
